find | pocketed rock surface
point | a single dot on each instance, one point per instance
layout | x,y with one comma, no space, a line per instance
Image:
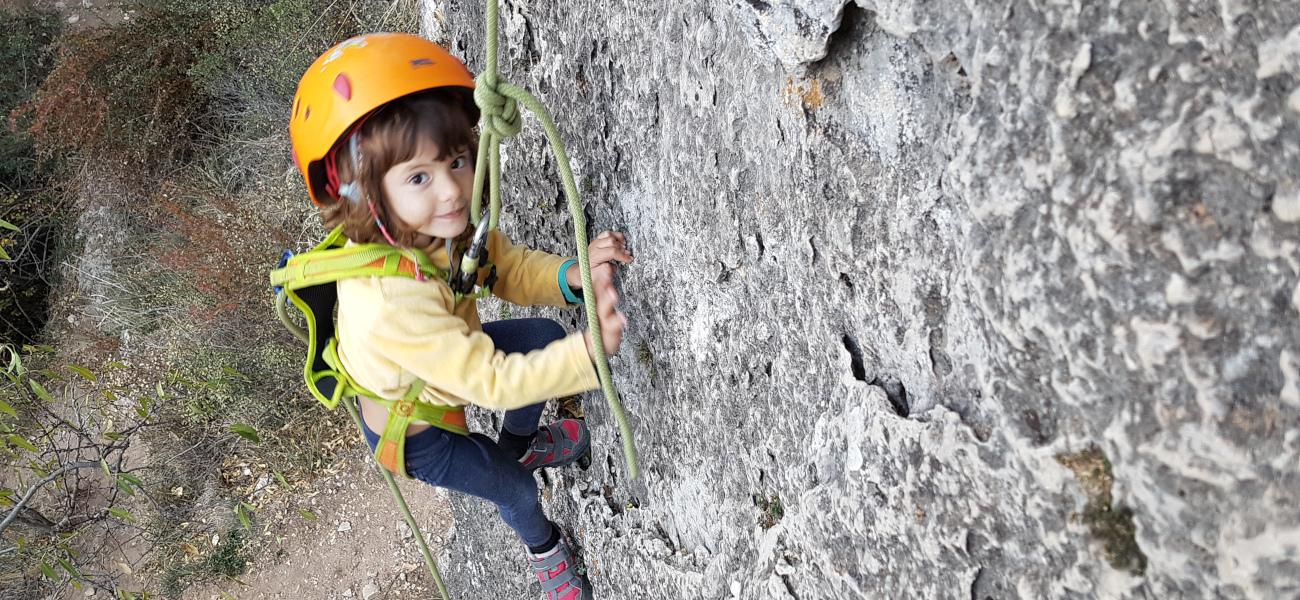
896,259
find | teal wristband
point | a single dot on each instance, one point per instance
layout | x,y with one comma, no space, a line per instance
564,285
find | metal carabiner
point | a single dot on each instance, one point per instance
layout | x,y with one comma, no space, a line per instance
464,278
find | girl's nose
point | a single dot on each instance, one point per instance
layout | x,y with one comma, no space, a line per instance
447,190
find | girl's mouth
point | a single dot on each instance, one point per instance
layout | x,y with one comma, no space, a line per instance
453,215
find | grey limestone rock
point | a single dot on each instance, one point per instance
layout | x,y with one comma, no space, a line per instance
895,259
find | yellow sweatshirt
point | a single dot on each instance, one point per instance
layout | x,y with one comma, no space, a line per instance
394,330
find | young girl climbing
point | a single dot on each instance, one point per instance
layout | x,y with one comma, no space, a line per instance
383,130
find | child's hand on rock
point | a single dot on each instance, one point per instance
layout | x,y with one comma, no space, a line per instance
608,247
612,322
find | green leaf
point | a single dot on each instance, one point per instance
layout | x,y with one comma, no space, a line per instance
242,511
132,479
8,410
83,372
307,514
161,393
48,571
280,478
125,486
4,255
103,464
115,365
15,360
7,225
233,373
112,436
247,432
122,514
22,442
40,390
65,547
67,566
142,407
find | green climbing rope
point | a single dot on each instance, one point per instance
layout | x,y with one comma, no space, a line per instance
297,330
498,101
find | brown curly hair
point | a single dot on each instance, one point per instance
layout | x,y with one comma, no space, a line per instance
391,135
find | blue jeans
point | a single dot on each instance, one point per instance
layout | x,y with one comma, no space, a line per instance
473,464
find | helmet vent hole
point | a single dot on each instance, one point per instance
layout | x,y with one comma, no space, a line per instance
343,86
307,115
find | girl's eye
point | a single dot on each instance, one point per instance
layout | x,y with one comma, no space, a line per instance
459,162
418,179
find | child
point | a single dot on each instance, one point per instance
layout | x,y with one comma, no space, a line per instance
383,131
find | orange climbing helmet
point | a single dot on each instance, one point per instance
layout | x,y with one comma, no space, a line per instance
351,80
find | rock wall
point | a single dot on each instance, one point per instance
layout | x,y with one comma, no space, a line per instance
897,260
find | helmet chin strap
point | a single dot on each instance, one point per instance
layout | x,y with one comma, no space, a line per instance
384,230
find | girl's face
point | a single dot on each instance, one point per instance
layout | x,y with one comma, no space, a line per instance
429,195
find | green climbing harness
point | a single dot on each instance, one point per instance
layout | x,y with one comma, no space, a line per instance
307,280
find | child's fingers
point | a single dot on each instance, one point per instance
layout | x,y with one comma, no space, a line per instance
608,299
605,295
610,245
606,254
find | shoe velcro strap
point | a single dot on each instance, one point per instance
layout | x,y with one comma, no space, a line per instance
569,577
553,561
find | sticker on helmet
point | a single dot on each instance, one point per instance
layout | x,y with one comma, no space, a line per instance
337,53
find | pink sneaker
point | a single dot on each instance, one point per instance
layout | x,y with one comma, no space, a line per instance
557,444
558,572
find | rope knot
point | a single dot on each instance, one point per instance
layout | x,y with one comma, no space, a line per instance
500,112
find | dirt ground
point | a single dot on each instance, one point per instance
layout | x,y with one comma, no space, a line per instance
357,547
89,13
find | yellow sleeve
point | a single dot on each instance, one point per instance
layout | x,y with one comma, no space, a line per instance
417,332
525,276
